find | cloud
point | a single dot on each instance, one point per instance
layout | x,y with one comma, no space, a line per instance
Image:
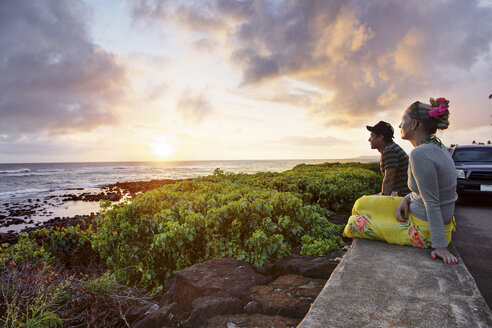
203,16
301,141
41,149
194,106
53,79
256,67
156,90
372,56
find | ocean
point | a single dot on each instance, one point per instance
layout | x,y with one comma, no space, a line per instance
23,184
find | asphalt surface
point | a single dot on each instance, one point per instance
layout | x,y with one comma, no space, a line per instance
383,285
473,240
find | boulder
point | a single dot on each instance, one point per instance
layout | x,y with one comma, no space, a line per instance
253,307
250,321
206,307
166,298
139,310
166,316
221,277
307,266
288,296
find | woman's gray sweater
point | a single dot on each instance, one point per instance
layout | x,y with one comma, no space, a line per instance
432,180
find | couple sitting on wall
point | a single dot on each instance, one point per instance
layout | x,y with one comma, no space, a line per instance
414,208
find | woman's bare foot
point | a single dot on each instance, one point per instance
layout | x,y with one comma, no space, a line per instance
446,256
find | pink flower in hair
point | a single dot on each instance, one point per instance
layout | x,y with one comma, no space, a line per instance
438,111
440,106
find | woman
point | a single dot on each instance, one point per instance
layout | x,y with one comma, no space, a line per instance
423,218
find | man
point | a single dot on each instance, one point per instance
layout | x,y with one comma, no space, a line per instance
394,160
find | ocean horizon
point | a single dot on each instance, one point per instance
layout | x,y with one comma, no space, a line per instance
368,157
24,178
41,188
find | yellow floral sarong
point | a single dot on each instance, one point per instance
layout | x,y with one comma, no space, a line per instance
373,217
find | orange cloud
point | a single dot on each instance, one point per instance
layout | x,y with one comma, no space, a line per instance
372,56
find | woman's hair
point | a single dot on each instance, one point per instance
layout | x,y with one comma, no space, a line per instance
420,112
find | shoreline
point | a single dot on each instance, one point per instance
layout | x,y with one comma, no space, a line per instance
217,291
63,192
44,212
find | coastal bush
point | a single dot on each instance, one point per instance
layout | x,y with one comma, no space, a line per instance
69,245
31,294
253,217
38,286
45,295
25,250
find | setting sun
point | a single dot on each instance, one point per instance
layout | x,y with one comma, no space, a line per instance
161,148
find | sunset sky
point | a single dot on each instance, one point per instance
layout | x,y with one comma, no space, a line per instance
111,80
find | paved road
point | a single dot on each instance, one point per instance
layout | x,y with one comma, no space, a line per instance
473,239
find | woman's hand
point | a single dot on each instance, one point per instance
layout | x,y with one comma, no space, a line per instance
446,256
401,212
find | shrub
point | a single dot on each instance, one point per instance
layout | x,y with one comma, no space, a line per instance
71,246
25,250
250,217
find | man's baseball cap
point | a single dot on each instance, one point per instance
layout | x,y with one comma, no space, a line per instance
382,128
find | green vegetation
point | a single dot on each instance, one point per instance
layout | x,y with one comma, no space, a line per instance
254,218
250,217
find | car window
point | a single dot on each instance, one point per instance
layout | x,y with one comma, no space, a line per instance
473,155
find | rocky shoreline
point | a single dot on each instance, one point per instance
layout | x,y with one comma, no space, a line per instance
16,213
218,293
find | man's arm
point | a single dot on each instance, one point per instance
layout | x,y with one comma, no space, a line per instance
389,181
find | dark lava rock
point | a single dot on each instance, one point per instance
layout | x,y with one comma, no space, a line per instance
307,266
139,310
250,321
142,186
207,307
163,317
21,212
14,221
253,307
89,197
166,298
288,296
221,277
70,197
9,238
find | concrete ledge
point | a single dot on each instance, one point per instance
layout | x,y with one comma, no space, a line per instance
383,285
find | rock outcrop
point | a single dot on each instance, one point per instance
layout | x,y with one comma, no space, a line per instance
230,293
222,277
